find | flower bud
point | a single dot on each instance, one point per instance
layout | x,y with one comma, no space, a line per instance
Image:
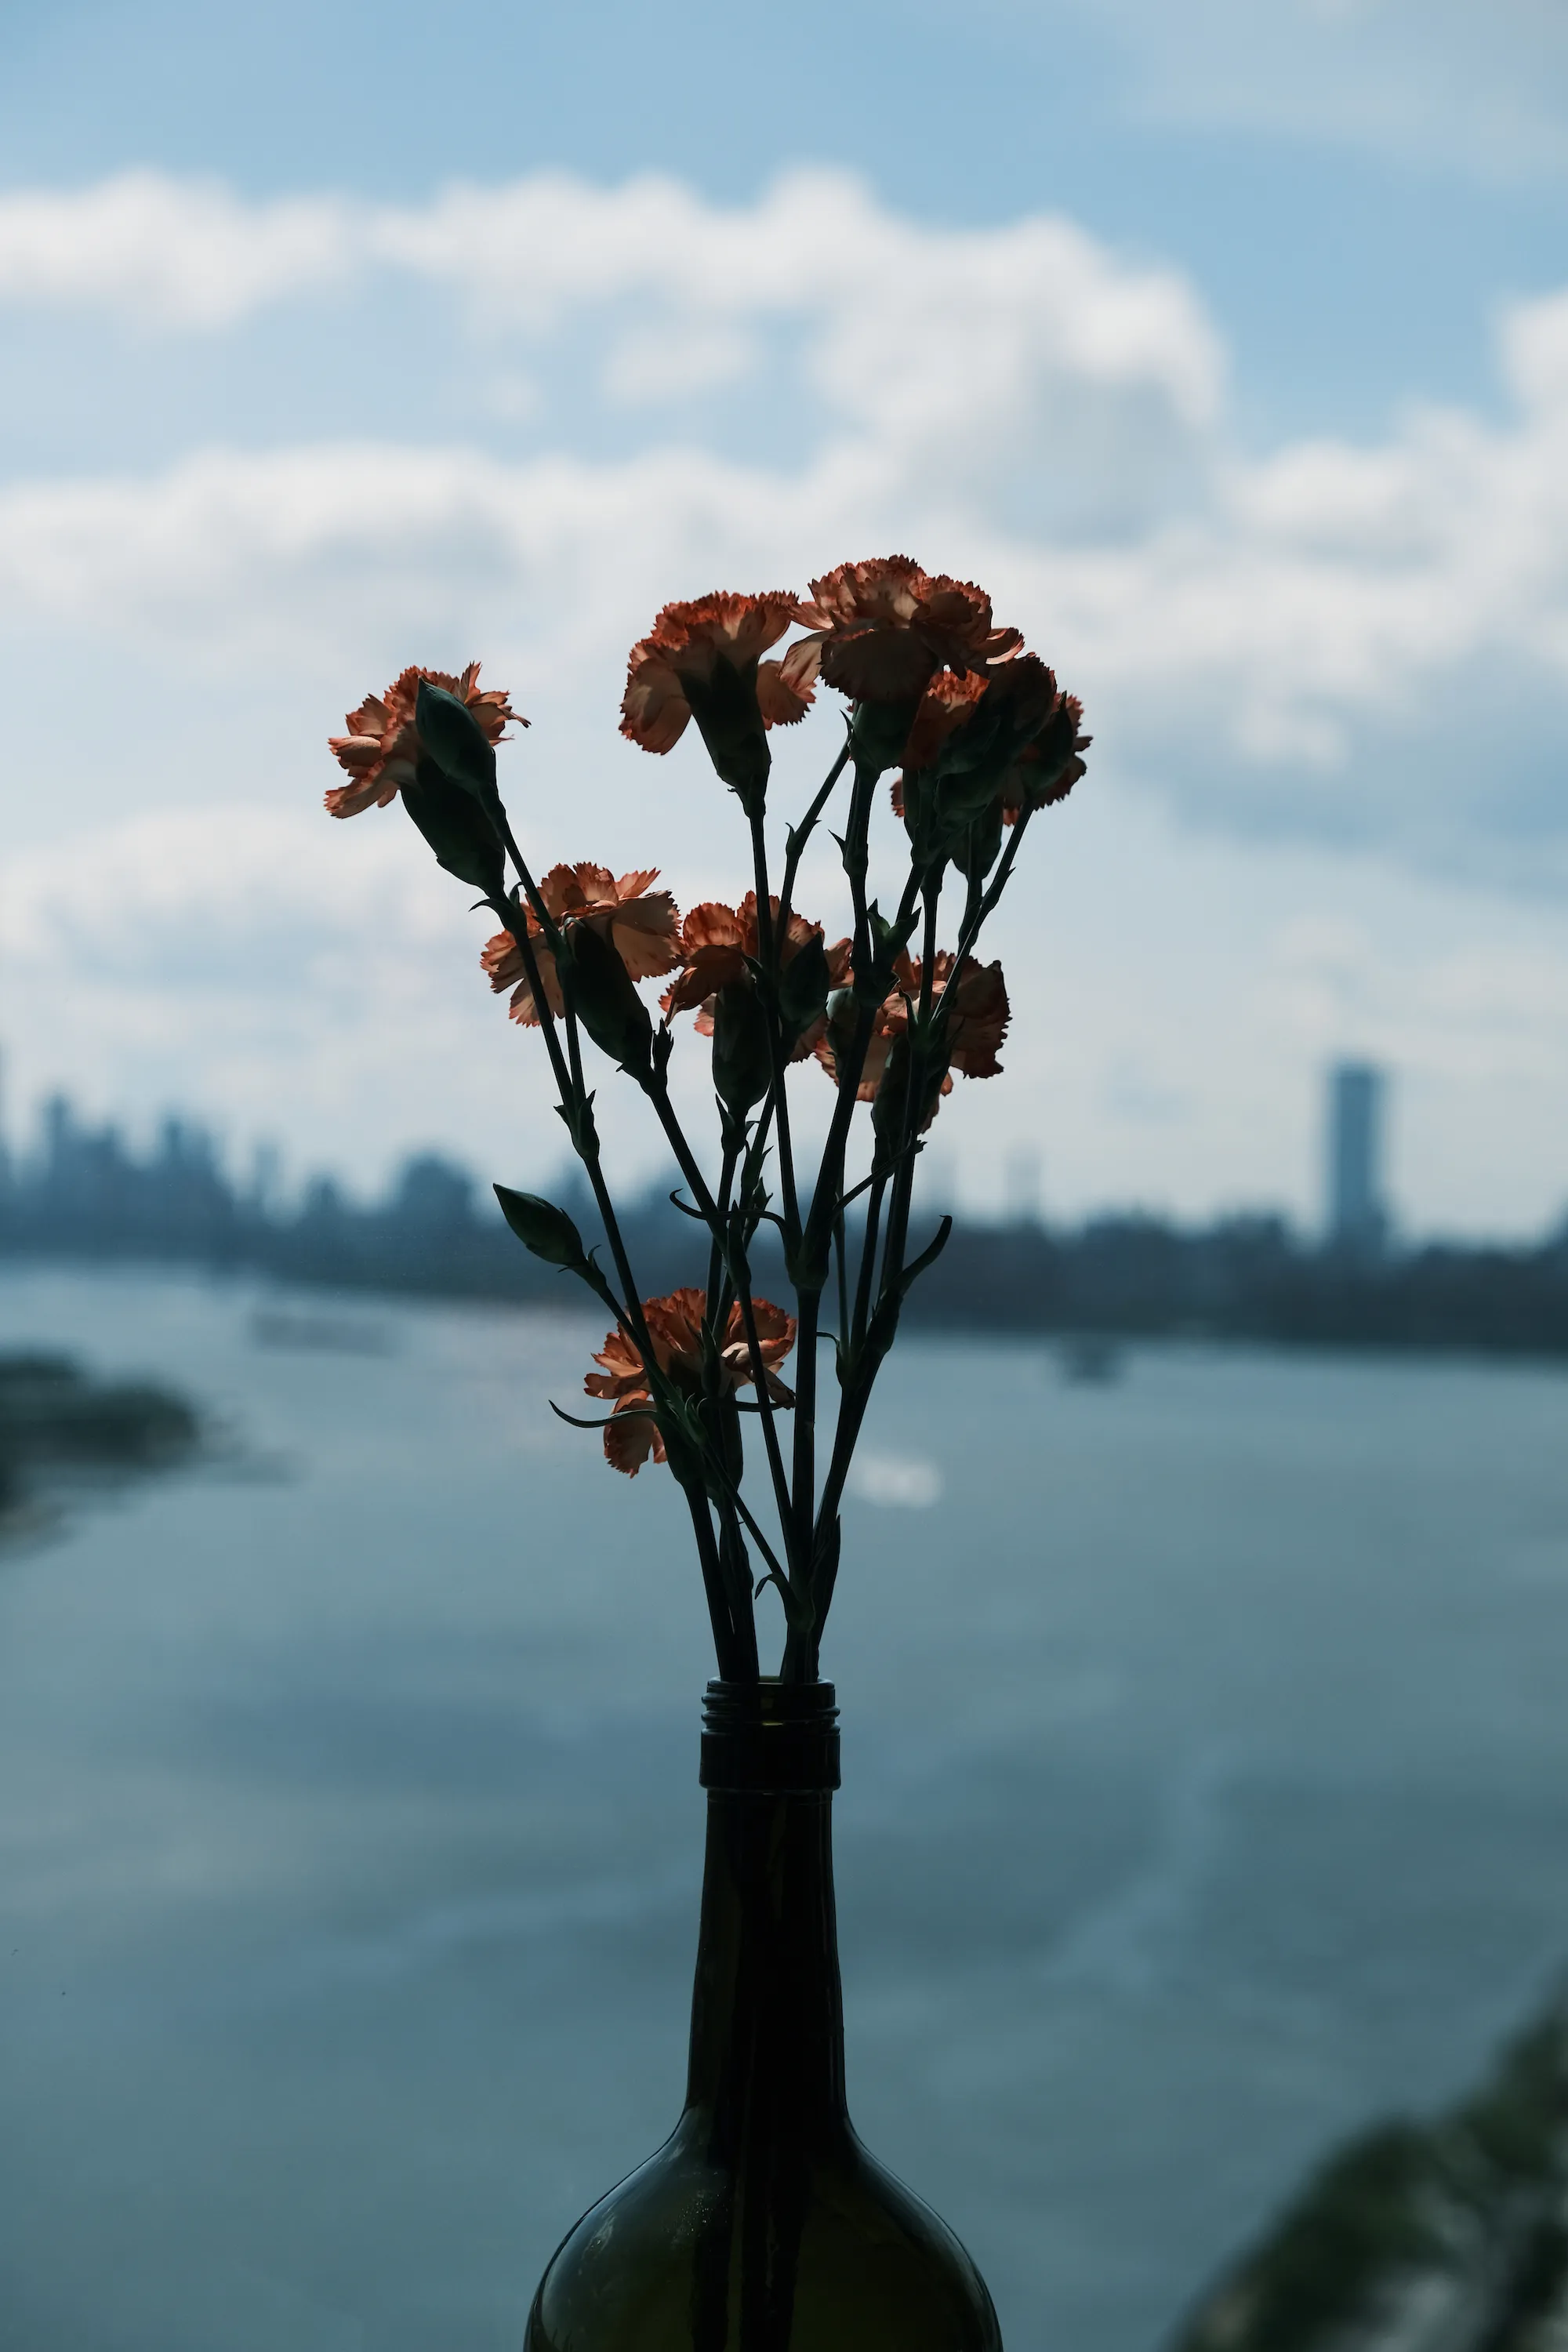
803,984
455,740
729,721
457,828
601,992
879,733
742,1060
542,1227
843,1019
891,1105
979,846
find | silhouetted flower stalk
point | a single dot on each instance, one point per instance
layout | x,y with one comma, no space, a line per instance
981,738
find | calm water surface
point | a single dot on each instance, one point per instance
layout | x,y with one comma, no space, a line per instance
1205,1793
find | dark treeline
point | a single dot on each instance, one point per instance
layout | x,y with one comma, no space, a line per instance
84,1194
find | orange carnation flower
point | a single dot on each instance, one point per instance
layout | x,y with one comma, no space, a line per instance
642,925
687,642
951,697
382,748
881,631
1043,770
978,1013
675,1327
715,941
1046,769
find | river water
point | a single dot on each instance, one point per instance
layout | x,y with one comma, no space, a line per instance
1206,1795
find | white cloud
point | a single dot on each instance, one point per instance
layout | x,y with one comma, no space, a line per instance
175,253
1296,641
885,325
1371,641
527,255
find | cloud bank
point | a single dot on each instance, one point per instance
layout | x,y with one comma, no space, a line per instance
1328,639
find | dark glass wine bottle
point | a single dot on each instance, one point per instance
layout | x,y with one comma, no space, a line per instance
761,2224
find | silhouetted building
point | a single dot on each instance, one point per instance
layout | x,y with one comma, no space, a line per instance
1357,1213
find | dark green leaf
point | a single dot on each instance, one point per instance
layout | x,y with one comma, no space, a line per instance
980,844
928,1257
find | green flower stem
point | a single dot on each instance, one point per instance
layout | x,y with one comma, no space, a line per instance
868,1263
852,1413
569,1087
658,1092
734,1495
857,836
769,1415
716,1306
770,955
827,1195
839,1246
657,1088
981,907
737,1574
800,834
903,1178
826,1206
735,1644
543,915
730,1642
767,947
780,1114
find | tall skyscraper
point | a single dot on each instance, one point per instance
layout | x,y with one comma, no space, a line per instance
1357,1213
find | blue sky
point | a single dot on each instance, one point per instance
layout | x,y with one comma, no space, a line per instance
1230,347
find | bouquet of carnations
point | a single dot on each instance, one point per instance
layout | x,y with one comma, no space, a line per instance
977,738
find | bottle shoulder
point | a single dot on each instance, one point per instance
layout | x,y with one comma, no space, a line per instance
814,2248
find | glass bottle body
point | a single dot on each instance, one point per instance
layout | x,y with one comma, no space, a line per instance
762,2224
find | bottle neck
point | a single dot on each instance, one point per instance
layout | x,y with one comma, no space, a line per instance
767,2017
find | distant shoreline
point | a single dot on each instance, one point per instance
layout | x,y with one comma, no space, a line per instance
1092,1290
86,1197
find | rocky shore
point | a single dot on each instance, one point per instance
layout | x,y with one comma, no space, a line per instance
59,1425
1446,2237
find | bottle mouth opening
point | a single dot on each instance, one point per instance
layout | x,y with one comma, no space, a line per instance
770,1737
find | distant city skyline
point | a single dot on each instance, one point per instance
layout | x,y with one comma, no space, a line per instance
69,1153
84,1196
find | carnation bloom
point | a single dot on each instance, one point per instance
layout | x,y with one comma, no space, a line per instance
688,641
675,1327
977,1017
881,631
715,941
1046,768
381,748
642,925
951,697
